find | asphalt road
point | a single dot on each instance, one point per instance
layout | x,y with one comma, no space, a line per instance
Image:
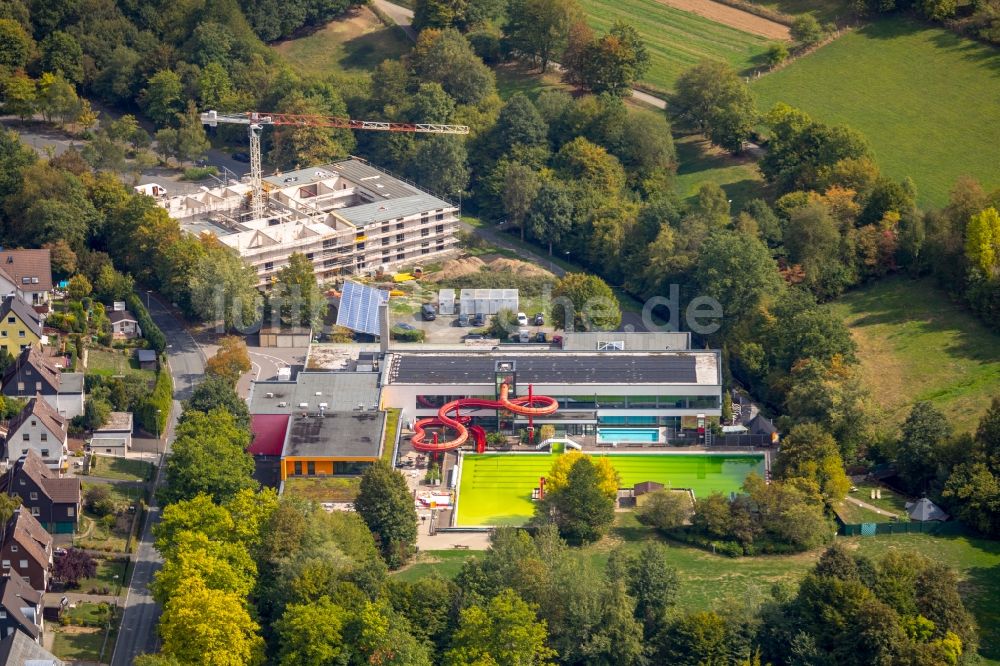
137,634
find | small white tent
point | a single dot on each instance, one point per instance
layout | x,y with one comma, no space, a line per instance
924,510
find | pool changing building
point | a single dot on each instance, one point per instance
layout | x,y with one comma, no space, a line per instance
663,390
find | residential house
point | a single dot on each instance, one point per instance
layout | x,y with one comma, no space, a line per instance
19,650
114,437
124,325
40,429
20,608
34,373
28,274
20,325
26,550
53,500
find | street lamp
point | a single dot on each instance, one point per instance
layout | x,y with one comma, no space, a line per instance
147,300
158,412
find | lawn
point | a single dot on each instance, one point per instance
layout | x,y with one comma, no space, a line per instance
676,39
354,44
112,362
94,534
914,344
700,162
113,467
84,644
109,575
445,563
825,11
517,77
495,489
926,99
324,489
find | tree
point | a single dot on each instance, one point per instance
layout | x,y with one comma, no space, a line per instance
16,45
582,302
612,63
223,288
982,242
221,566
63,258
550,217
299,145
96,413
558,477
590,167
445,57
61,54
924,430
19,95
79,288
191,139
57,98
664,509
98,500
440,165
385,504
519,124
208,456
713,97
650,580
199,514
73,566
697,639
505,632
806,30
298,297
520,189
541,28
582,509
776,53
218,392
312,633
438,13
809,452
739,273
162,97
210,628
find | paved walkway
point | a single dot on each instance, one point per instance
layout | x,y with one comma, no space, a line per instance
870,507
403,17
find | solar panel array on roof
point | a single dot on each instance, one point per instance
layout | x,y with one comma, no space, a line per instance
359,307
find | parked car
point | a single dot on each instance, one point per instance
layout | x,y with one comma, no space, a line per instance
463,320
522,319
479,320
427,312
404,326
241,157
474,336
540,336
539,319
557,340
523,335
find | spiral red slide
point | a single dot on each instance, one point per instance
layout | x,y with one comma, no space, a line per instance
450,417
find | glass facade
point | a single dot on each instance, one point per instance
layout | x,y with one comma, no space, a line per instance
585,402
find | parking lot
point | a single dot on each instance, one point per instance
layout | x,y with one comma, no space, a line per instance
445,328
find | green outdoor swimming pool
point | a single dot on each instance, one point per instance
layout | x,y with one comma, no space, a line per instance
495,489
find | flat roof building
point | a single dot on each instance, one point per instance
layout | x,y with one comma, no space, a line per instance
346,217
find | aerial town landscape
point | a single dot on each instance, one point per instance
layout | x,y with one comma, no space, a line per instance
500,332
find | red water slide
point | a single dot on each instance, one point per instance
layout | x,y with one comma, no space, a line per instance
450,417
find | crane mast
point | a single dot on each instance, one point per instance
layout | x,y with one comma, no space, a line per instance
256,120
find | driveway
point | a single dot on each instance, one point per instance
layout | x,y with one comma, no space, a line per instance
137,634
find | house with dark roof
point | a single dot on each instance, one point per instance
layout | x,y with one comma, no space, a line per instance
53,500
124,325
20,325
33,373
17,649
26,550
40,429
28,274
20,608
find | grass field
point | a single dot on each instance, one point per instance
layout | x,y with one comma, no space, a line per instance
710,581
825,11
111,362
496,488
324,489
914,344
676,39
927,100
699,162
354,44
126,469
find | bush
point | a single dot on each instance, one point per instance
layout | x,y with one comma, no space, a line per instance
98,500
664,510
199,173
407,335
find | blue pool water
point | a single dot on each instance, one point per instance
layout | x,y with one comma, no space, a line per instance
627,435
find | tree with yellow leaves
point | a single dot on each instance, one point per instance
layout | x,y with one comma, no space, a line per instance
982,242
559,474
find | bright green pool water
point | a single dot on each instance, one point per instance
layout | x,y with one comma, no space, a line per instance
495,489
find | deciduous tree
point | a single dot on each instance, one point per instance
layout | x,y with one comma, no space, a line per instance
540,28
73,566
581,509
713,97
505,632
583,302
385,504
207,627
230,361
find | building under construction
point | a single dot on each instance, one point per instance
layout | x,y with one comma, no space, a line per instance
347,217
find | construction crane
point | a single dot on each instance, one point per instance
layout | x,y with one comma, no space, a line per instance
255,120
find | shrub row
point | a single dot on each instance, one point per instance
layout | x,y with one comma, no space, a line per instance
729,547
154,336
161,398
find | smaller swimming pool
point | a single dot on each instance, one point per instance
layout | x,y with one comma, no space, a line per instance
628,435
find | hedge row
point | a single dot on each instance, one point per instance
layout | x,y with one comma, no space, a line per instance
161,398
154,336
